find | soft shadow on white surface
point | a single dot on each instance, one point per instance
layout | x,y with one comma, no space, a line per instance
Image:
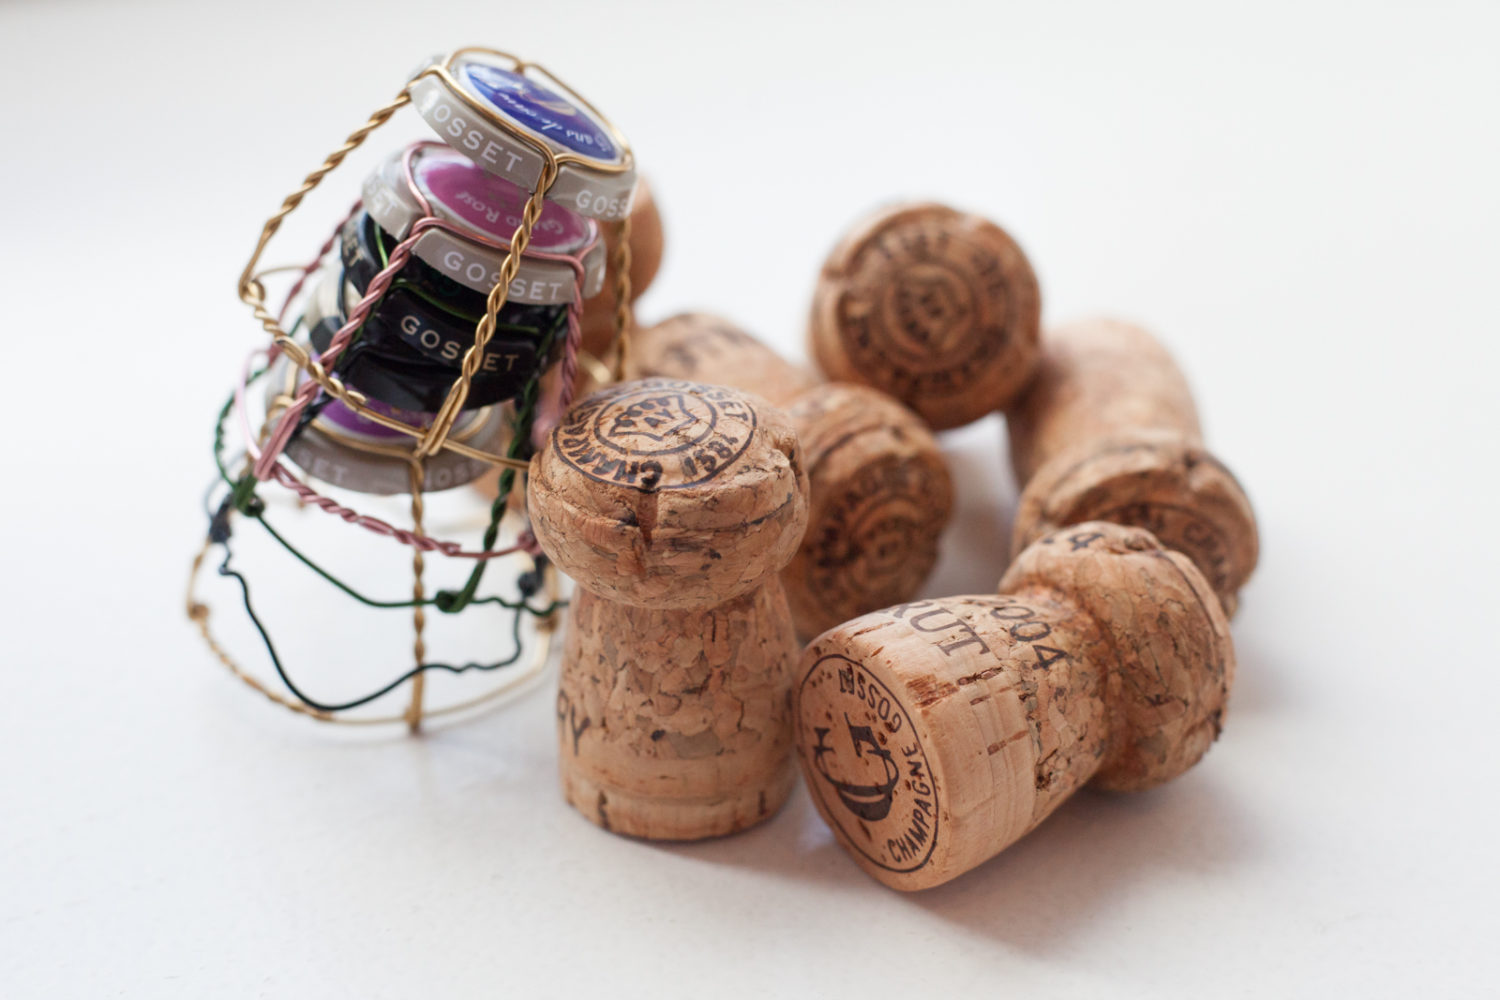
1083,862
1044,892
1298,197
1263,685
794,846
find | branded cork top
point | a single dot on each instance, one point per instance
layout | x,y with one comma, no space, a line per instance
668,493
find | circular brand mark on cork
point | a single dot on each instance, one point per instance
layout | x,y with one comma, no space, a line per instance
656,434
876,536
929,307
872,773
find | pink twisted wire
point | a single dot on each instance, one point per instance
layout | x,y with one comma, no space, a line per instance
281,475
267,460
549,411
425,543
276,444
312,265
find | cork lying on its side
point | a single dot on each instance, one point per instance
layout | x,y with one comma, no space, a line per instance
935,307
706,348
879,487
1108,430
673,505
934,734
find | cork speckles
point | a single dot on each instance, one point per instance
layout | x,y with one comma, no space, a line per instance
1102,660
1109,431
938,308
673,695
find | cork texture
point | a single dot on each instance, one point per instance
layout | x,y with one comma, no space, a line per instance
674,505
703,347
1095,379
935,307
1108,430
879,488
880,496
676,725
934,734
667,493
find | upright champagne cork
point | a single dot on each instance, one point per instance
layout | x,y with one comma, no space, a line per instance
673,505
879,489
647,242
935,734
1108,431
935,307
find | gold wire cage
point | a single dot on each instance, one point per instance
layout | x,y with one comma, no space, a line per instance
437,436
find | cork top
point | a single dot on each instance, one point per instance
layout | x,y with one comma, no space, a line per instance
935,307
669,494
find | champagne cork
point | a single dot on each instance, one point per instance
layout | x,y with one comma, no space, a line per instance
879,490
935,307
935,734
1108,431
647,242
673,505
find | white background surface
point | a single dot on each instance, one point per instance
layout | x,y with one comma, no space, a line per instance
1300,198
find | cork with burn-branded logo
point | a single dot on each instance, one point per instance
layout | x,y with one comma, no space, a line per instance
661,492
1109,430
913,765
933,306
881,498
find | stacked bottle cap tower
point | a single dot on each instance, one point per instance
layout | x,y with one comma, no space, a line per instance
424,325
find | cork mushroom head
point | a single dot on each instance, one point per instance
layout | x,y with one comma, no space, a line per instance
933,306
1165,705
669,494
935,733
1159,480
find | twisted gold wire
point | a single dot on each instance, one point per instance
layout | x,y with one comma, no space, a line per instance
252,292
355,400
496,300
621,257
418,617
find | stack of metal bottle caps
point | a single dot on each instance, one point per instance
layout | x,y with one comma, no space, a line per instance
461,202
